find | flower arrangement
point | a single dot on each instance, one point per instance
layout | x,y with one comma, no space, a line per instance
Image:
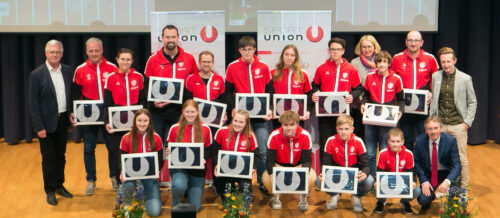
129,202
236,203
454,203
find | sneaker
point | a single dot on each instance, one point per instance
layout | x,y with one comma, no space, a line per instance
89,190
357,204
303,202
263,189
380,207
407,208
275,202
114,183
332,203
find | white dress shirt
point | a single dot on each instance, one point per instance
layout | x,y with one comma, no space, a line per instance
58,81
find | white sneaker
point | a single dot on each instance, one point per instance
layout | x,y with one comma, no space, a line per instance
303,202
332,202
89,190
275,202
114,183
357,204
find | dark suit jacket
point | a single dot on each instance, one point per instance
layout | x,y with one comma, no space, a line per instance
43,100
447,154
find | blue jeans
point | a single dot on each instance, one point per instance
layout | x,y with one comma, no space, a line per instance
89,134
374,135
363,187
409,124
261,130
151,193
182,182
416,194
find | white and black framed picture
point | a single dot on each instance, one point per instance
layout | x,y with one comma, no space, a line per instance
381,115
121,118
257,105
284,102
416,101
165,89
235,164
394,185
332,104
185,155
339,179
140,166
88,112
290,180
211,113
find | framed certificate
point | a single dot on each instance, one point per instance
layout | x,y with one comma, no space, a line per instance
121,118
290,180
140,166
394,185
88,112
339,179
257,105
282,103
235,164
211,113
185,155
416,101
332,104
165,89
381,115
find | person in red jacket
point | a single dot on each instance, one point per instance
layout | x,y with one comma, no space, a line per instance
289,78
335,75
238,136
289,146
346,144
171,61
248,74
415,67
123,87
189,129
396,158
381,87
142,139
88,84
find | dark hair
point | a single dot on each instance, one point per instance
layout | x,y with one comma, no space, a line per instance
149,131
383,55
206,53
337,40
169,27
247,41
124,50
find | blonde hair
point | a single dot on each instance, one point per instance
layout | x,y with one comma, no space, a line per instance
394,132
289,116
345,119
370,38
446,50
247,131
297,69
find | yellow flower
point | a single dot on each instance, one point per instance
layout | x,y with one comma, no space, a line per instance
468,196
455,198
455,205
227,195
233,198
130,208
234,206
443,200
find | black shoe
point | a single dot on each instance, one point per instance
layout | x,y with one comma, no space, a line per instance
407,208
263,189
424,209
63,192
51,198
380,207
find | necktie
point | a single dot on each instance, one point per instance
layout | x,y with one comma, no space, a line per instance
434,170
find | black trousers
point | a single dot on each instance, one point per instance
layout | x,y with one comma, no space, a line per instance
326,128
116,139
53,150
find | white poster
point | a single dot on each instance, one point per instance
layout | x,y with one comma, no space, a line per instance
235,164
339,179
88,112
198,31
121,118
140,166
290,180
185,155
394,185
211,113
310,31
416,101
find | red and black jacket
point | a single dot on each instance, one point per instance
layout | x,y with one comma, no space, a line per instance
386,90
330,77
287,151
354,149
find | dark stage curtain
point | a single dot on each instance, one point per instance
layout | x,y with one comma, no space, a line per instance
469,27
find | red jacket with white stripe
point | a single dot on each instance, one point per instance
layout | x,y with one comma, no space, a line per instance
86,80
199,89
332,78
288,85
415,73
237,142
289,151
159,66
126,143
384,89
125,87
390,161
354,149
188,137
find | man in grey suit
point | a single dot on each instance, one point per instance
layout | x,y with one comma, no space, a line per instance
50,104
454,101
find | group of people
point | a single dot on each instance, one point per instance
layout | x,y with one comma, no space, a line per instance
437,155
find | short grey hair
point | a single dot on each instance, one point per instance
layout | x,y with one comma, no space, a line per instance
53,42
93,39
433,118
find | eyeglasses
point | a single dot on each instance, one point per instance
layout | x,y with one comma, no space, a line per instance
247,50
335,49
413,40
367,47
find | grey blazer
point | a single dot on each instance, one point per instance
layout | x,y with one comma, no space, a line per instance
464,95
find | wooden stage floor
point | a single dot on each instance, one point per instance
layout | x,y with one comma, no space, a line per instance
22,192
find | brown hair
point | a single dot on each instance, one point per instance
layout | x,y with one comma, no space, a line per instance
394,132
337,40
170,27
206,53
135,131
289,116
124,50
198,137
247,41
369,38
345,119
446,50
383,55
247,131
433,118
297,69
